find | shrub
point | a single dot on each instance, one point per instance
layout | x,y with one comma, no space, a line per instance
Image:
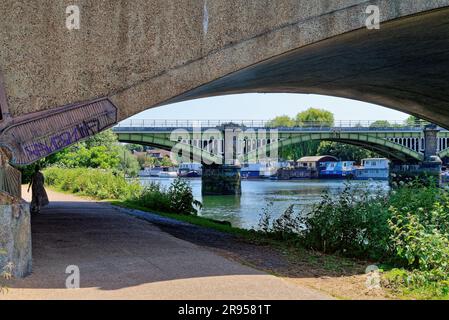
177,199
101,184
408,228
107,184
154,197
354,223
181,198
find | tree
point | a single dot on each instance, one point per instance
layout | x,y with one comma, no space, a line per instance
311,115
281,121
380,124
414,121
105,138
102,151
141,159
166,162
128,162
134,147
344,152
314,115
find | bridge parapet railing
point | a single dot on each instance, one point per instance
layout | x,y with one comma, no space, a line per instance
305,125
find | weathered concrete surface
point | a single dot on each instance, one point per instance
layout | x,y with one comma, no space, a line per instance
145,53
15,236
121,257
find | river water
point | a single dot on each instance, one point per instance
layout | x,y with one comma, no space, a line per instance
244,211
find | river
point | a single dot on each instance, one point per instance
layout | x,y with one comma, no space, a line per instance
244,211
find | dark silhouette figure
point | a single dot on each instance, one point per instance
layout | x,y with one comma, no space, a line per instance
39,195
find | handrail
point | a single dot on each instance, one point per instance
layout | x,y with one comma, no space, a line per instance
171,123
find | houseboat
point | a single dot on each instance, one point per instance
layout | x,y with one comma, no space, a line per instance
168,172
373,169
338,170
260,170
190,170
150,172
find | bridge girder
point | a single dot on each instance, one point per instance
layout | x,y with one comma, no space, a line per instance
193,153
374,141
383,145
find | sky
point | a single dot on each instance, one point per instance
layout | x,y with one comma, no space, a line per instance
257,106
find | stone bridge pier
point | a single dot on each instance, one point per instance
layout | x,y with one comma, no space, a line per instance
224,178
427,171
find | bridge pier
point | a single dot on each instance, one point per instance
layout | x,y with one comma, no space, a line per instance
427,171
224,179
221,180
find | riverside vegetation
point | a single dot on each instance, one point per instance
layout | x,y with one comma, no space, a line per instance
405,232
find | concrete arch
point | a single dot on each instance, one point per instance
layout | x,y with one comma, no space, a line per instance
175,56
383,146
146,53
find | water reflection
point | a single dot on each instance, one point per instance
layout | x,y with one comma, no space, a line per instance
244,211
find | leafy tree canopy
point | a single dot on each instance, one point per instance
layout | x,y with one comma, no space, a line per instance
100,151
344,152
315,115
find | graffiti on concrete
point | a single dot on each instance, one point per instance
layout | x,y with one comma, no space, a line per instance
64,139
45,133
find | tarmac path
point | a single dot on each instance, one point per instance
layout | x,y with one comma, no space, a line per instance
122,257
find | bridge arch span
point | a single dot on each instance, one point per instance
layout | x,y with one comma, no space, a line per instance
382,146
194,153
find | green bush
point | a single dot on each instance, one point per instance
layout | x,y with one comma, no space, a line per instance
354,223
101,184
107,184
407,228
178,198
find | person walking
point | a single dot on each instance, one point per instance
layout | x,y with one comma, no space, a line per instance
39,197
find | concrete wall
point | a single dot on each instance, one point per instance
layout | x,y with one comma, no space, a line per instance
15,236
143,53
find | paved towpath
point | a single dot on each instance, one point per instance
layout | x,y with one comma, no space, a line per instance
122,257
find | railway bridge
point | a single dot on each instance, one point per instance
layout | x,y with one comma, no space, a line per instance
222,146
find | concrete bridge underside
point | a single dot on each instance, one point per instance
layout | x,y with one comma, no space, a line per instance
141,54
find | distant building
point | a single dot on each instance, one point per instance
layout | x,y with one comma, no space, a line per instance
158,154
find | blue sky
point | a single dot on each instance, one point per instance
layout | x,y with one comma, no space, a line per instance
267,106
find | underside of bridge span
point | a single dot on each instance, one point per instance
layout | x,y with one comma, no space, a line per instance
403,66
